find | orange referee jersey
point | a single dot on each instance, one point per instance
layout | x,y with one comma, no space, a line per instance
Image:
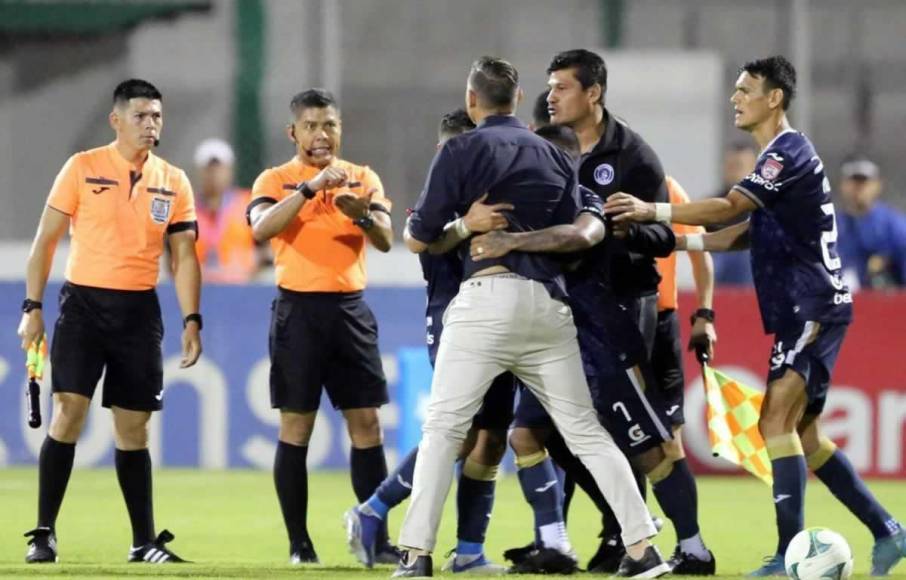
321,250
119,219
666,267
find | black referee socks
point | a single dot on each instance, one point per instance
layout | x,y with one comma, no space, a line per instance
54,468
133,470
291,481
368,469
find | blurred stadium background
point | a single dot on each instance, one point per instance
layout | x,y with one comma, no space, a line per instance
227,69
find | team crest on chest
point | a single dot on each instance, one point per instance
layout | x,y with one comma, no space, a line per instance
160,210
771,169
604,174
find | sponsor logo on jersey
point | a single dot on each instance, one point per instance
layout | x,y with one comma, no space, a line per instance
766,184
604,174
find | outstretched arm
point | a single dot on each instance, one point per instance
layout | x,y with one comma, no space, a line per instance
729,239
705,212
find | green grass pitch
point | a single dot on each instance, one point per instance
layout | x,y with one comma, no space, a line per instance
228,522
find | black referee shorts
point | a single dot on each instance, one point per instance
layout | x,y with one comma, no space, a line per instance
116,330
324,340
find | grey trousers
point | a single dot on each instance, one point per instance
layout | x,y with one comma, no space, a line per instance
507,323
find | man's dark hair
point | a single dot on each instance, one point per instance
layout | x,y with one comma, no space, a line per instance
135,89
495,80
455,123
777,72
540,115
312,99
590,68
561,136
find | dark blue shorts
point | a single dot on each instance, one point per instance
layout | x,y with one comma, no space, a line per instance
628,406
811,349
667,362
496,412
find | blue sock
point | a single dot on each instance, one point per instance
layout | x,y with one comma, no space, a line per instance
841,479
539,485
789,497
394,489
678,497
474,501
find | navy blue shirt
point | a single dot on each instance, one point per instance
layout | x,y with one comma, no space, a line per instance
793,236
503,158
609,337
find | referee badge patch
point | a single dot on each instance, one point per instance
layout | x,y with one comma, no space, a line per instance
604,174
160,210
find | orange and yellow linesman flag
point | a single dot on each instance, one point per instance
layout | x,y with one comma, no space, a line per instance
733,411
34,358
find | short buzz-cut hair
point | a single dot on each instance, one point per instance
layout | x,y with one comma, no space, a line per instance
541,116
777,72
590,67
496,81
454,123
135,89
562,137
312,99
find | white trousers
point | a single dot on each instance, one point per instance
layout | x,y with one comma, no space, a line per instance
508,323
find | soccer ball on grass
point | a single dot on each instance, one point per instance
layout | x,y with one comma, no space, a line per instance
817,553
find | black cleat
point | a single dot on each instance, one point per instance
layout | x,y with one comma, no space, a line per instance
156,552
608,557
517,555
421,567
650,565
303,552
546,561
387,554
42,547
683,564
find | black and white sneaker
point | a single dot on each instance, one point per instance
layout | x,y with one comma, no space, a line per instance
419,567
303,552
609,555
546,561
650,565
42,547
683,564
156,552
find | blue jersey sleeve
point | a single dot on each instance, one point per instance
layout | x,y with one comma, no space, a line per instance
570,204
764,184
439,200
591,203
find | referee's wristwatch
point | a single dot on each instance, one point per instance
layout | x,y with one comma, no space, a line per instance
194,317
366,222
28,305
705,313
305,190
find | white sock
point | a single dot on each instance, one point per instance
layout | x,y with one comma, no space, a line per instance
463,559
554,536
695,547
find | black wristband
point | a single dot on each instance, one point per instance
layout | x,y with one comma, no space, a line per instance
194,317
705,313
307,192
28,305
